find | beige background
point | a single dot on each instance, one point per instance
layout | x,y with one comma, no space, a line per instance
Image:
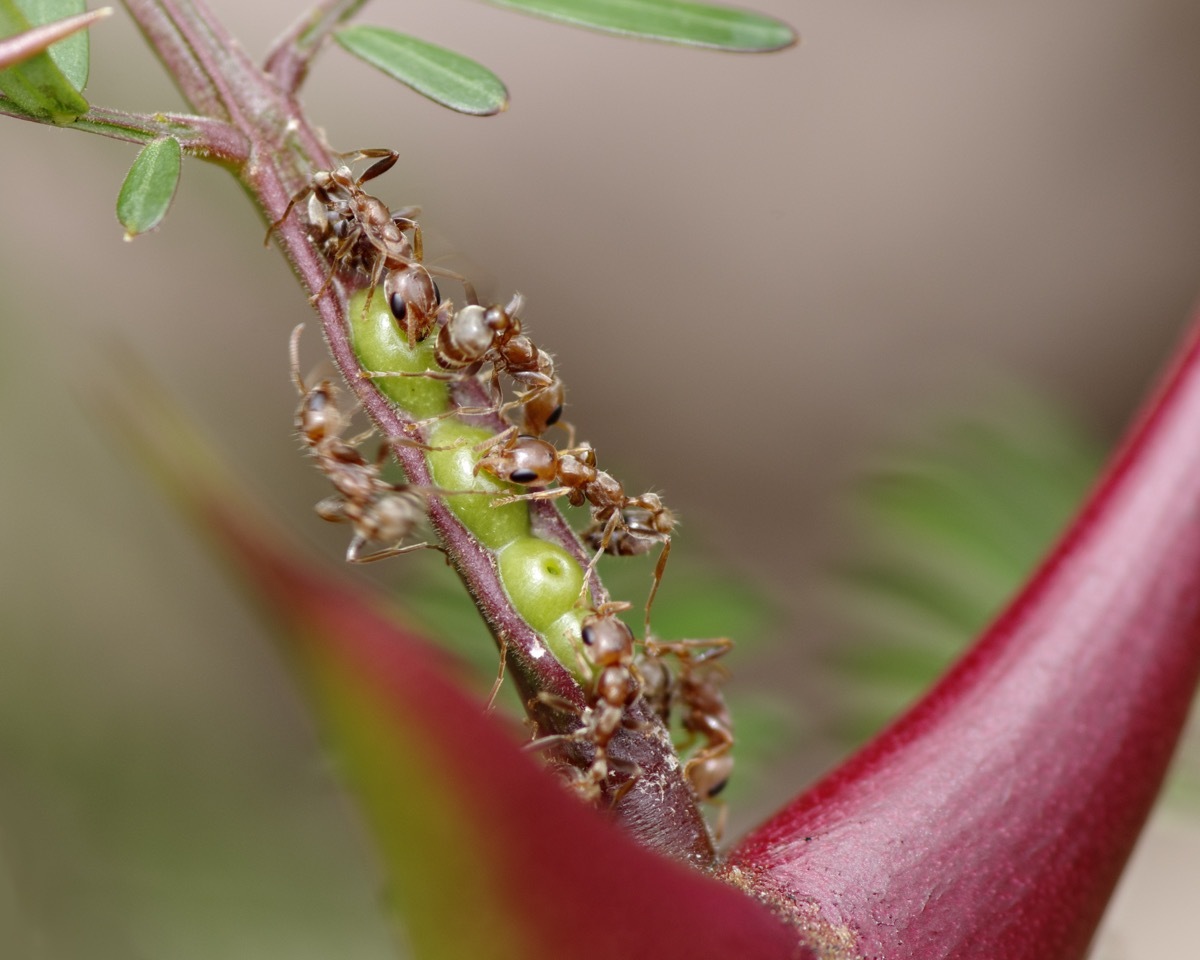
752,271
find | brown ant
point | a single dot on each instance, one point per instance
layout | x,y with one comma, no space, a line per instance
620,526
697,691
614,686
359,233
379,511
476,335
618,678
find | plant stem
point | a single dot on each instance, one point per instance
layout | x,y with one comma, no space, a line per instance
279,153
289,58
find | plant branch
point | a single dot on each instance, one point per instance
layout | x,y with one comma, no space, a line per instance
289,58
209,66
200,136
251,122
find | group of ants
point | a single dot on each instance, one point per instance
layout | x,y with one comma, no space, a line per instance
359,234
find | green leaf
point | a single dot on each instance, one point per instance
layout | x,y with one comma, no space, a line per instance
36,84
62,39
442,75
70,55
694,24
149,187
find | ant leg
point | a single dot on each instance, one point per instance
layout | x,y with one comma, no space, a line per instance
354,556
659,569
631,771
554,702
379,167
535,495
426,447
336,257
325,286
570,431
491,700
376,276
468,287
605,539
710,649
430,374
418,239
722,818
553,740
294,354
286,210
433,491
502,437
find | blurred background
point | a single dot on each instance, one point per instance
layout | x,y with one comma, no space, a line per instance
773,285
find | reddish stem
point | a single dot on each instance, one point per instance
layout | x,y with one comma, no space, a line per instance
994,819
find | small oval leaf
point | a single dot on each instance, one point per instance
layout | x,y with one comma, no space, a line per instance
442,75
149,187
693,24
36,84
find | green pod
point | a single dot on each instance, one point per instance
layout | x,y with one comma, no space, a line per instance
564,637
455,470
543,582
381,347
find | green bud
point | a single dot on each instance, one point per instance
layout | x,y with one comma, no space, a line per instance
564,638
542,579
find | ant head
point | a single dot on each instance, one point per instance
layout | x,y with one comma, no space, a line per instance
503,322
318,416
526,460
608,640
414,300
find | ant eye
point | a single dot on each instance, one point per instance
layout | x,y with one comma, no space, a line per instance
553,418
399,307
588,635
523,476
437,292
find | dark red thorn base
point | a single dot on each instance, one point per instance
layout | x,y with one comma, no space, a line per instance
992,821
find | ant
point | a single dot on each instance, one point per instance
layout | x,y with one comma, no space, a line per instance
609,659
358,232
697,691
476,335
378,511
620,525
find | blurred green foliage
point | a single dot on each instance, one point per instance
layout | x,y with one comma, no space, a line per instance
946,529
